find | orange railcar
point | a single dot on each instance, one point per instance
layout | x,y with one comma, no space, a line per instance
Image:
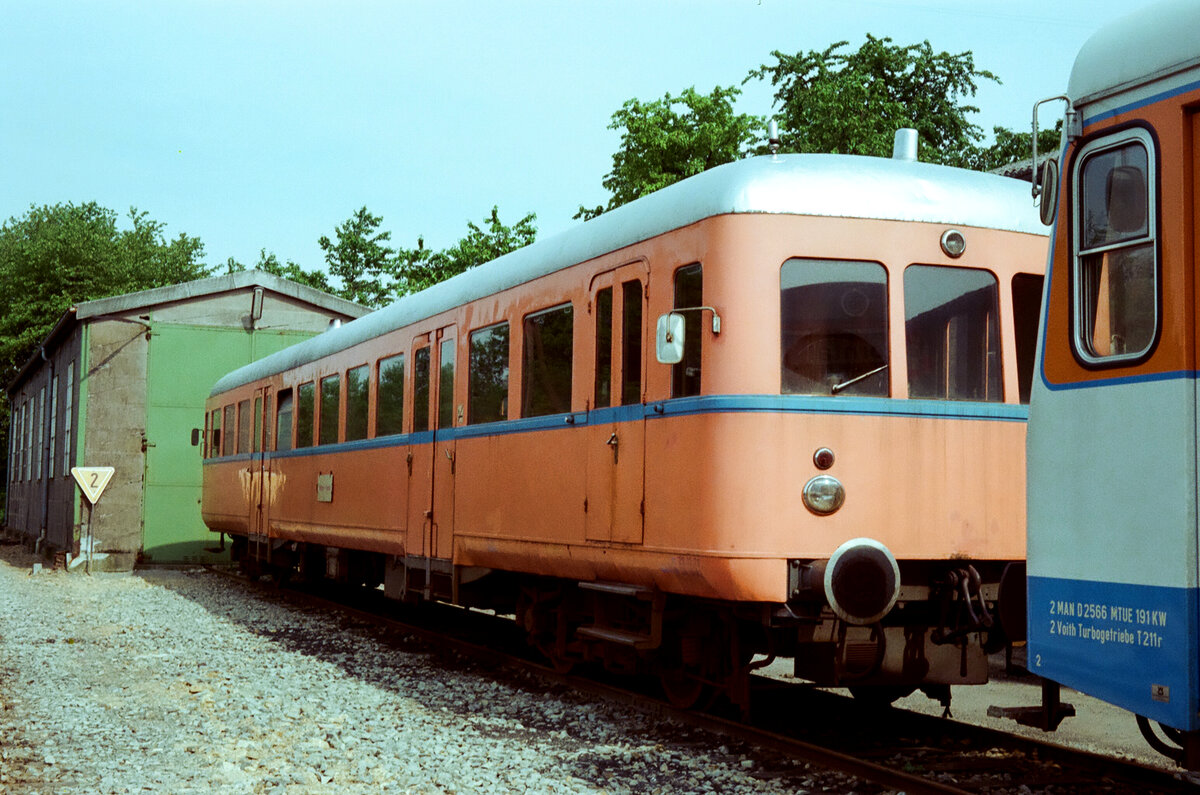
775,409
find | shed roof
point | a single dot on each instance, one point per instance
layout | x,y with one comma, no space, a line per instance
186,291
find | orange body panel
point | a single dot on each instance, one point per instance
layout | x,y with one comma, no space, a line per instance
703,494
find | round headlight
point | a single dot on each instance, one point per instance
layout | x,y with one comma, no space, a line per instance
953,243
824,494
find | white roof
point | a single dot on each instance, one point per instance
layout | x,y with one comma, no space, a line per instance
1153,42
815,185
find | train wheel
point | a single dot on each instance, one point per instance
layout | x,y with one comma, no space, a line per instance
682,689
881,695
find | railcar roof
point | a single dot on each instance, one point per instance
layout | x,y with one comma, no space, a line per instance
1152,42
814,185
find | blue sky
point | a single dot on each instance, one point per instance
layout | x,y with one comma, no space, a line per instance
266,124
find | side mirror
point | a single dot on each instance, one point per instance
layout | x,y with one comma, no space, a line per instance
1049,198
196,436
668,339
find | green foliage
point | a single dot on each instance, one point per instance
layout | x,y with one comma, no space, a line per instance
673,138
1010,147
59,255
419,268
853,103
359,260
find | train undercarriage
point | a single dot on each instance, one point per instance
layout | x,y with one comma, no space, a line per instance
937,634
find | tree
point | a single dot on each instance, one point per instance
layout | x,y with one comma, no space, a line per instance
360,261
853,103
58,255
419,268
1009,147
669,139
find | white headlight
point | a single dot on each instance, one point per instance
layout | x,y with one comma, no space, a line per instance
824,494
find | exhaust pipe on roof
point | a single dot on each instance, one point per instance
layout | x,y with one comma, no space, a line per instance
904,145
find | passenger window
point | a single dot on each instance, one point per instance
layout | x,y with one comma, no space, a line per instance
258,425
1116,287
689,292
244,425
547,362
487,400
283,420
214,445
227,443
604,317
421,364
834,327
631,342
952,333
389,396
1027,313
446,384
357,386
331,393
305,410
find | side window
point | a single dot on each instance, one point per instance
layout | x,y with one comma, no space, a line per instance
283,420
305,410
833,327
689,292
487,400
331,394
244,424
631,343
604,318
446,384
357,399
1116,274
227,446
952,333
214,440
421,364
389,396
547,362
1027,313
258,425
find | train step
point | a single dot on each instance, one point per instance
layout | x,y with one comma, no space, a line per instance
617,636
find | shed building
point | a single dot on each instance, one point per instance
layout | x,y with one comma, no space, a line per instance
121,382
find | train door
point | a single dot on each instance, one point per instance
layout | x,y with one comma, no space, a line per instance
448,414
259,481
431,481
616,454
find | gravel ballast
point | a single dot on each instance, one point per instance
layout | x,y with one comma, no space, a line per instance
184,681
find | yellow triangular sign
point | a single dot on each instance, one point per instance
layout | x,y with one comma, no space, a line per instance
92,480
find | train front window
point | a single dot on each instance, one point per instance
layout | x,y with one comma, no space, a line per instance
1027,313
834,334
1116,274
952,333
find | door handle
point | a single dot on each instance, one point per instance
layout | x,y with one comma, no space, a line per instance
615,444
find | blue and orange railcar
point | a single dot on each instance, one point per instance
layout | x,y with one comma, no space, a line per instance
775,409
1114,577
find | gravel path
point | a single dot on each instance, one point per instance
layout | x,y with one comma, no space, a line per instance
182,681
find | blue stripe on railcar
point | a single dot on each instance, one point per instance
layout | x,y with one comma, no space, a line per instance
679,407
1131,645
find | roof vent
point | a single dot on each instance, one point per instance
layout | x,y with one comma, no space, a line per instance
334,323
904,145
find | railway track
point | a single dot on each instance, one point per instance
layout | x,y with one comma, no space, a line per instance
892,750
